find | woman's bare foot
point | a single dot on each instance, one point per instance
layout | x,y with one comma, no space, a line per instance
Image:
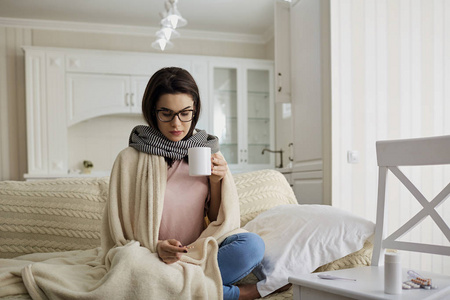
248,292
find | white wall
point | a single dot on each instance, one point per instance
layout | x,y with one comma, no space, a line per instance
100,140
13,157
390,80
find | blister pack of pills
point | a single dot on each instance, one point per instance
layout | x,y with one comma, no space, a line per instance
416,281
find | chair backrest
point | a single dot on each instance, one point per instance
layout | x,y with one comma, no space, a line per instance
410,152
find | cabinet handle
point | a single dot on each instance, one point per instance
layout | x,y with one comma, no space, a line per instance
132,99
280,86
291,150
126,99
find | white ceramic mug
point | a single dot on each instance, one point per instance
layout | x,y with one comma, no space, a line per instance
199,161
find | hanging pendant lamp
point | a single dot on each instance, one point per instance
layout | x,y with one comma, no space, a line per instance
170,20
173,18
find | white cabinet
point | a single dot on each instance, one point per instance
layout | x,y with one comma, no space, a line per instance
282,52
310,96
243,112
138,84
67,86
108,82
93,95
283,107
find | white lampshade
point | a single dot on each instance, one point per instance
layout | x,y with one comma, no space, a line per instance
173,18
162,44
168,32
170,19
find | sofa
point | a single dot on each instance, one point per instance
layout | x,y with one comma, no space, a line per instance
65,214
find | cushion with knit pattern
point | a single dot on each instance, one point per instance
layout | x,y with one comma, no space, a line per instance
51,215
260,190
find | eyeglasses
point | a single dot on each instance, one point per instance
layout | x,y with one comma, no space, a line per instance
165,115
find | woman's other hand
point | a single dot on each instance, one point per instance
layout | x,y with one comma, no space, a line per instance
170,251
219,168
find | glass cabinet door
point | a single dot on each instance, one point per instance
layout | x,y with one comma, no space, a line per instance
258,116
225,113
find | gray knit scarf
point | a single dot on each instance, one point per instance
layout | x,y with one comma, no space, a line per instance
150,140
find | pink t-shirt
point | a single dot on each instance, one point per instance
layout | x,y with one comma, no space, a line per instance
184,204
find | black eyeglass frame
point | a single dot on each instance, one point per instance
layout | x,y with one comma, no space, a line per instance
175,114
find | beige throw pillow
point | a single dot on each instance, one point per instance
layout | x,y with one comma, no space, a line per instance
260,190
51,215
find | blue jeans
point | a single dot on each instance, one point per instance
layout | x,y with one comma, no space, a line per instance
238,255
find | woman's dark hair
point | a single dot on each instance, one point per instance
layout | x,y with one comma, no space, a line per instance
170,80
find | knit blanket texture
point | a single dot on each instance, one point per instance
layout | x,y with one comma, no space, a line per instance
126,266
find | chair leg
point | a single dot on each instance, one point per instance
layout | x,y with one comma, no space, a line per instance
378,250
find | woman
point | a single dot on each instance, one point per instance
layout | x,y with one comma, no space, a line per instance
171,106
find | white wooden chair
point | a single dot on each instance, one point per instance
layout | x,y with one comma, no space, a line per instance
410,152
368,282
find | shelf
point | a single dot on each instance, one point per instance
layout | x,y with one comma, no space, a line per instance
258,93
225,91
265,119
259,119
253,93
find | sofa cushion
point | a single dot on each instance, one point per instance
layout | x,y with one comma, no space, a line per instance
65,214
301,238
51,215
260,190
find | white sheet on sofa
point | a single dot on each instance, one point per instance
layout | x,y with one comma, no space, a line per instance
301,238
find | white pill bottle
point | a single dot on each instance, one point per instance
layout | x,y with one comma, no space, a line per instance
392,274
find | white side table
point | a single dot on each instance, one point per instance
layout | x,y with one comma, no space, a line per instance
369,284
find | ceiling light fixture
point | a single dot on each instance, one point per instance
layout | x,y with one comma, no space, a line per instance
171,19
162,44
168,32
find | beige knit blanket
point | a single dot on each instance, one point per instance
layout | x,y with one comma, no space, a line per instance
127,267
